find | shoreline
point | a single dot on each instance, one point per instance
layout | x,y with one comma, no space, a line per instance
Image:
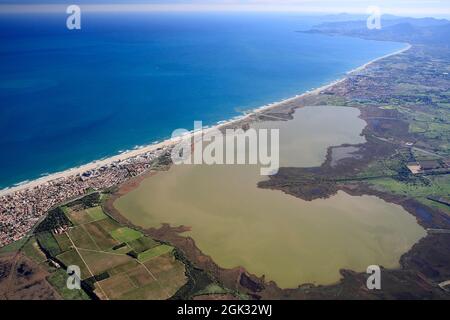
72,172
174,235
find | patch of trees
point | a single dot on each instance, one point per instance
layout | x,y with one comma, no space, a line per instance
88,201
198,279
56,218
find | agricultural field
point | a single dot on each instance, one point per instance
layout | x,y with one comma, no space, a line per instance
388,167
125,234
429,139
111,258
430,126
58,280
419,189
154,252
432,185
115,262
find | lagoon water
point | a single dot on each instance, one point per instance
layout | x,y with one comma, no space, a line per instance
70,97
270,233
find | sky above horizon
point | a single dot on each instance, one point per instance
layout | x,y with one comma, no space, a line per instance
435,8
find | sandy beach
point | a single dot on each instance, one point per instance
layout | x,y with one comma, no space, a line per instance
171,141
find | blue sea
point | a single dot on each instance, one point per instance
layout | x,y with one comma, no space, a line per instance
71,97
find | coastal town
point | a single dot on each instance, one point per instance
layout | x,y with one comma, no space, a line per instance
22,209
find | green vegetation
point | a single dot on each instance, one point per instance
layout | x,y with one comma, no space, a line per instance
56,218
71,257
154,252
96,213
117,286
58,280
76,234
430,185
63,241
419,188
122,248
212,288
142,244
31,249
436,205
89,201
108,225
13,246
100,236
420,155
101,261
48,243
215,288
198,280
82,238
123,267
385,167
125,234
79,217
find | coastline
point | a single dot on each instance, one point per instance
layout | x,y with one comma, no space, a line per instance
268,289
72,172
360,68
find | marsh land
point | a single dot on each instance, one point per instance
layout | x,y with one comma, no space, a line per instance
289,240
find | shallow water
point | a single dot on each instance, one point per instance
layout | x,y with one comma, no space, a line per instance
288,240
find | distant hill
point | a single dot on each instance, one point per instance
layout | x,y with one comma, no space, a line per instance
412,30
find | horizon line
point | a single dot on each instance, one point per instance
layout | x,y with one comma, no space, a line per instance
129,8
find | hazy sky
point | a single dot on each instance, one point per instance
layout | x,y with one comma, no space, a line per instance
399,7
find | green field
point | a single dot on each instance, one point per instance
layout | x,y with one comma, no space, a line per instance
433,185
96,213
100,236
418,189
212,288
79,217
82,238
13,246
123,267
106,253
142,244
107,224
154,252
31,249
48,242
99,261
116,286
58,280
63,241
125,234
71,257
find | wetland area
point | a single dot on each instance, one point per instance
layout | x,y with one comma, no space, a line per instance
288,240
